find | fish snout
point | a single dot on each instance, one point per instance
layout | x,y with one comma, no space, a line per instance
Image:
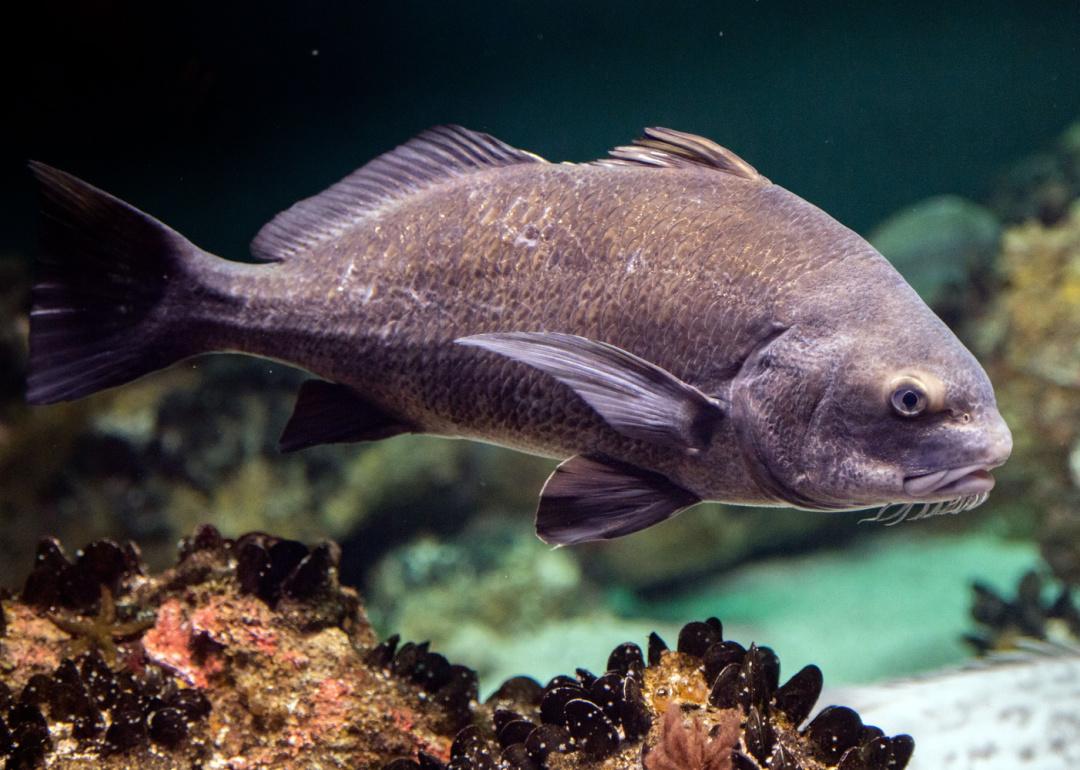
999,441
970,478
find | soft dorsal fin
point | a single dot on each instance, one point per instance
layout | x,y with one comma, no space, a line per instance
435,156
667,148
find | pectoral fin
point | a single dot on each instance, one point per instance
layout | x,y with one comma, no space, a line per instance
328,413
590,498
636,398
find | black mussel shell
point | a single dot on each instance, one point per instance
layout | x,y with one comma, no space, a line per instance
382,654
832,732
592,732
457,696
740,761
625,657
553,706
796,698
546,740
519,690
758,736
516,757
783,758
585,677
470,751
697,637
657,647
725,689
168,727
636,717
607,693
719,656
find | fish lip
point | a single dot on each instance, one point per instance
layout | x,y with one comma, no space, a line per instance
951,482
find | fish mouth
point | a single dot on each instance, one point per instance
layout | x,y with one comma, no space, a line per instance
950,483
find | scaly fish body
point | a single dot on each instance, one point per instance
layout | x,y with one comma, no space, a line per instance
671,320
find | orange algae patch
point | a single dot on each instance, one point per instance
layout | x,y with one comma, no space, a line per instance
678,678
168,643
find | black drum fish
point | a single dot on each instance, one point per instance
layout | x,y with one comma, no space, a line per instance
668,319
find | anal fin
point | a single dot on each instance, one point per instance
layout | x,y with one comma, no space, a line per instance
328,413
591,498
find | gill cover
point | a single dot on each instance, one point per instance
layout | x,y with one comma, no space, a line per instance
778,400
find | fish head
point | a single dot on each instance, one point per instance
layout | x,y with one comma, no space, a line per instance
870,416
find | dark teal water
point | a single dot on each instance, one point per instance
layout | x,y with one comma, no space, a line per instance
216,115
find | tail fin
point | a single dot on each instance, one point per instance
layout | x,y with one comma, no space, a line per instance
104,294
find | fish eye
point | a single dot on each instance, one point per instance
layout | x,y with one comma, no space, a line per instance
908,397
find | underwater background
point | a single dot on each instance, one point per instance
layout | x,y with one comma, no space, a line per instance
949,134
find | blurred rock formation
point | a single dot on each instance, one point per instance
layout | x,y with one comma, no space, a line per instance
941,245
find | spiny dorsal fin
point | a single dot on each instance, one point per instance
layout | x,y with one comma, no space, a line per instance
435,156
667,148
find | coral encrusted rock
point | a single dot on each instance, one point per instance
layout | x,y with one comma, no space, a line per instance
248,654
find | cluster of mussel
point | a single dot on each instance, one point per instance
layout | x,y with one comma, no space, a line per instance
57,581
1027,614
452,688
272,568
105,710
113,711
598,717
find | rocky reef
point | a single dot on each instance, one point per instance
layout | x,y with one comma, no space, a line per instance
1030,338
248,653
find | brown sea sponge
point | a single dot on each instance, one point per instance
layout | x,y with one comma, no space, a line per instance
691,745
